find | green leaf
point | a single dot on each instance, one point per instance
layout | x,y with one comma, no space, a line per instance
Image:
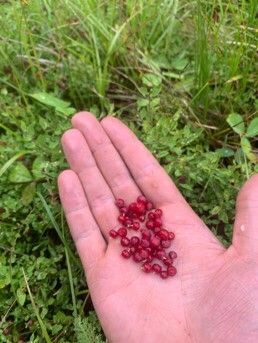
21,296
151,80
52,101
20,173
28,193
252,129
236,123
247,149
225,152
38,167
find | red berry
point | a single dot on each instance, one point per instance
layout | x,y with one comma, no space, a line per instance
145,243
166,244
145,234
147,267
163,234
125,241
141,198
151,216
156,229
155,242
135,241
121,218
144,254
133,249
136,226
119,203
158,222
172,254
171,235
149,259
123,209
132,207
167,261
164,274
137,257
158,212
156,268
126,253
113,233
142,218
128,222
149,206
160,254
122,231
171,270
150,224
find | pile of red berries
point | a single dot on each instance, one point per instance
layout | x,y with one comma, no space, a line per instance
152,240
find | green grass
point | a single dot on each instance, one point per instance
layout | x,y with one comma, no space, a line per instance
172,70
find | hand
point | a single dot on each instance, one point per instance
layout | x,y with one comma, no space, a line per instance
214,296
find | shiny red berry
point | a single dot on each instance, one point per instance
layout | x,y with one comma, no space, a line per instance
164,274
145,243
158,222
156,268
155,242
135,241
123,209
141,198
146,234
137,257
142,218
166,244
172,254
163,234
144,254
158,212
119,203
121,218
151,216
171,235
126,253
150,224
136,226
160,254
113,233
147,267
122,231
171,271
125,242
149,206
167,261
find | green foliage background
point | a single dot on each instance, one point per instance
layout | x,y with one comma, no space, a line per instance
174,75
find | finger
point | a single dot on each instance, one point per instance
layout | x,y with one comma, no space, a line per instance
107,158
245,236
150,177
89,242
99,196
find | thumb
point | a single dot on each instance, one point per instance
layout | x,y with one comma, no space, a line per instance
245,236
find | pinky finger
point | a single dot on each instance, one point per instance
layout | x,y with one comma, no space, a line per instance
88,239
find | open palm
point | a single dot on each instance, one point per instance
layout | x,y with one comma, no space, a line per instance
214,296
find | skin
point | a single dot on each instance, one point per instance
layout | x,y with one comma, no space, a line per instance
213,297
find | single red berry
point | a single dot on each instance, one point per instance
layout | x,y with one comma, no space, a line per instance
144,254
156,230
125,241
137,257
128,222
119,203
113,233
166,244
172,254
133,249
126,253
132,207
149,259
122,231
167,261
123,209
155,242
140,208
164,274
151,216
156,268
142,218
141,198
158,212
135,241
158,222
147,267
149,206
171,235
171,270
160,254
145,243
145,234
121,218
150,224
163,234
136,226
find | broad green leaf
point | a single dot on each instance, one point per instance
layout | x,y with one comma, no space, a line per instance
236,123
180,63
252,129
28,193
38,166
4,276
225,152
21,296
151,80
20,173
52,101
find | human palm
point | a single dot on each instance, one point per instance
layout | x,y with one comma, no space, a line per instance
213,297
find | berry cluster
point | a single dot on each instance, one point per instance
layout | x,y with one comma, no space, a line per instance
152,240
